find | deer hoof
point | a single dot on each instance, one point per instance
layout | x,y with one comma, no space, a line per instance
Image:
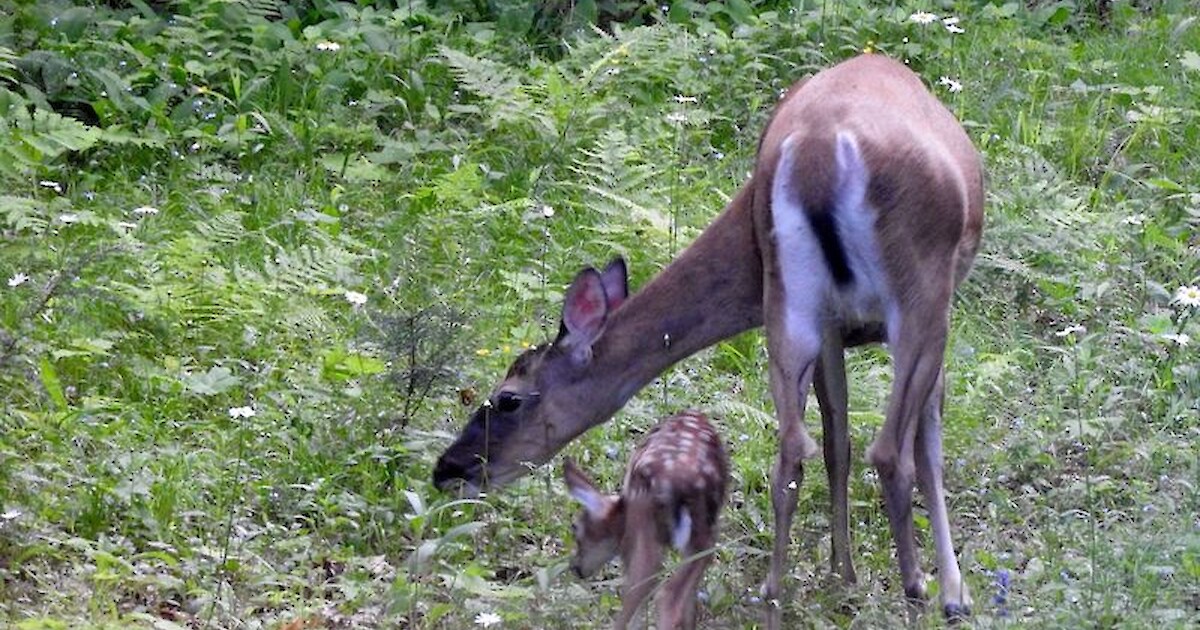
956,612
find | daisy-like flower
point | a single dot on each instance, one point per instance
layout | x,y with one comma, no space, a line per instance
145,210
1071,330
242,412
1188,296
547,211
487,619
922,17
329,46
953,27
951,84
55,186
1180,339
18,280
355,298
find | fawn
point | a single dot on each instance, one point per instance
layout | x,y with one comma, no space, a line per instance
674,489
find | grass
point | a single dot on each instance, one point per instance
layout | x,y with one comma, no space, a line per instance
203,427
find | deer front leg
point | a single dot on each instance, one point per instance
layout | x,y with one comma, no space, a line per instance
830,386
919,346
642,559
952,591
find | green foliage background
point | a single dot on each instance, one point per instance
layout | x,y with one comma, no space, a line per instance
203,423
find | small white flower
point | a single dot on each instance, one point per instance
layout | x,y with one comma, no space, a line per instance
69,218
329,46
922,17
355,298
951,84
126,225
487,619
242,412
18,280
679,98
55,186
954,28
950,21
1135,219
547,211
145,210
1188,296
1071,330
1181,339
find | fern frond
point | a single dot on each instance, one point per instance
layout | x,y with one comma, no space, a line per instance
507,100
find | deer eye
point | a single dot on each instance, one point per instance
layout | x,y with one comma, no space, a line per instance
508,402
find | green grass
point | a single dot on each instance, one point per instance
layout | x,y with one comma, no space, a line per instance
413,165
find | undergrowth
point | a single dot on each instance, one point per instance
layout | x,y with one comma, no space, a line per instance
260,258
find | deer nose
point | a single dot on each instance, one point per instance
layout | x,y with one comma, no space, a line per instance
449,472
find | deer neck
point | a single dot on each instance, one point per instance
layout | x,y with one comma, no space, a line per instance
711,291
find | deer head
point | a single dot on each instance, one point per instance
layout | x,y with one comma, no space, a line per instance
543,400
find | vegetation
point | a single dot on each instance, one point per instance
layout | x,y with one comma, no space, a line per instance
258,256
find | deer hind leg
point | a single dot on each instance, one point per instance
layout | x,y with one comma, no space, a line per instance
792,367
830,386
917,354
677,602
952,591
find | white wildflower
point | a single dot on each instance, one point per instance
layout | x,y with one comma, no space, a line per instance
1135,219
950,21
679,98
18,280
487,619
1180,339
69,218
145,210
242,412
922,17
355,298
547,211
1188,296
954,28
55,186
1071,330
329,46
951,84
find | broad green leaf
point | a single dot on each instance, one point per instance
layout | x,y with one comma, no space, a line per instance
215,381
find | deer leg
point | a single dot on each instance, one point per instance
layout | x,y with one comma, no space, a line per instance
643,560
955,600
677,603
918,353
830,385
790,382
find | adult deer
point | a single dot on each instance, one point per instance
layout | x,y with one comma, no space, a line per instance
863,213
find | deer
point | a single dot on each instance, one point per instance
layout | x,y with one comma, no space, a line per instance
672,495
863,213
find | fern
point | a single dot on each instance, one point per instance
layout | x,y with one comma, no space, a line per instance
22,214
506,99
617,182
29,139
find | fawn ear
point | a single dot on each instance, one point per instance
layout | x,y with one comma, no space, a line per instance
615,278
582,488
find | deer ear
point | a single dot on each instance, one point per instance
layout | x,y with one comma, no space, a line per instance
582,489
615,278
585,309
